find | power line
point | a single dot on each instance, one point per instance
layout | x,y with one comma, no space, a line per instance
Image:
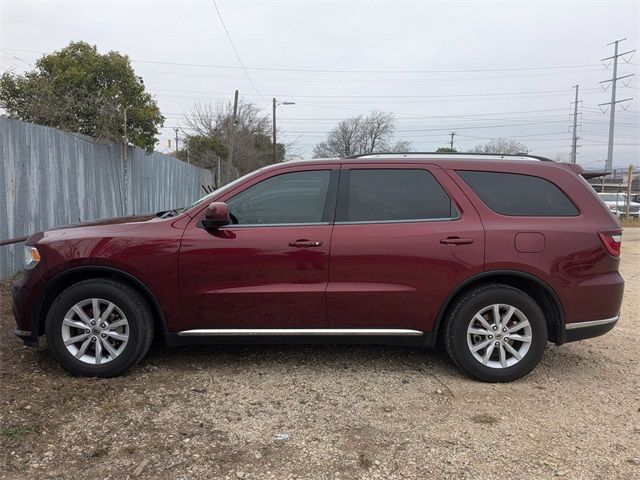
604,122
364,80
318,70
418,117
521,137
467,127
452,95
15,58
234,49
606,133
612,104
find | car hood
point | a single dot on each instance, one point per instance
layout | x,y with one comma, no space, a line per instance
105,226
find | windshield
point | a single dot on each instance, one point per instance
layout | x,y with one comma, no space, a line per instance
217,192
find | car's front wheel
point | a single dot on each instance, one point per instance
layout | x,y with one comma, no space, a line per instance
496,333
99,327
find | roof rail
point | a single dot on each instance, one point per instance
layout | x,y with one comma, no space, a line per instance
399,154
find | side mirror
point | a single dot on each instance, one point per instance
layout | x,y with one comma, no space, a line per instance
217,215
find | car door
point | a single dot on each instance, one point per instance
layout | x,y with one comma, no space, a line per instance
269,269
405,236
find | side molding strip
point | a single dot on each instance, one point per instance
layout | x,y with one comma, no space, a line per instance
592,323
213,332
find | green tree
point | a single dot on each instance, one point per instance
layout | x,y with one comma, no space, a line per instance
204,152
79,90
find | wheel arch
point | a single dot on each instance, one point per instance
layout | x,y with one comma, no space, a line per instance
542,293
71,276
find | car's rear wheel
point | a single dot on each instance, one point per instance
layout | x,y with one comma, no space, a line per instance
99,327
496,333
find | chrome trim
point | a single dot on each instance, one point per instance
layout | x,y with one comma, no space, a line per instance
462,156
207,332
592,323
246,225
412,220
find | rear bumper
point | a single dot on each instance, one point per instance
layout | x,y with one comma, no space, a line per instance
594,328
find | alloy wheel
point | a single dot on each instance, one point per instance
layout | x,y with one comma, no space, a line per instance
499,336
95,331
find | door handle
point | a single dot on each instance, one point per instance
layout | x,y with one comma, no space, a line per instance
456,241
306,243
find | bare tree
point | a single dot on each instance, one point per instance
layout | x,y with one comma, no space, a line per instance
360,135
377,129
505,146
342,141
249,136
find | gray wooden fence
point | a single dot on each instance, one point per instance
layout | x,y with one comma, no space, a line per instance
50,178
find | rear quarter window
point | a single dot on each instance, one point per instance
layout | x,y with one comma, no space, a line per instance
521,195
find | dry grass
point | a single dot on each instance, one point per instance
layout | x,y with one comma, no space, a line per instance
630,222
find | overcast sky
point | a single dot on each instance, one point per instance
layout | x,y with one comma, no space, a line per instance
483,70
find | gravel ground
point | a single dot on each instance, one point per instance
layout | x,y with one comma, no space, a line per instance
326,411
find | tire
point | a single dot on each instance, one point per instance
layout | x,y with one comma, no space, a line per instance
110,351
518,314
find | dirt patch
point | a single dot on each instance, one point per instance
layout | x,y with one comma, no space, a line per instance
326,411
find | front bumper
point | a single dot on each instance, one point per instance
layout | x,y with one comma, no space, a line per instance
29,339
594,328
23,299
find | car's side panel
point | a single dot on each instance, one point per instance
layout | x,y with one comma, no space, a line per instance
257,276
250,277
386,275
148,252
571,258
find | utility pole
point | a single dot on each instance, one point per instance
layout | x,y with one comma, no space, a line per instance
629,178
574,140
176,130
218,185
275,158
125,199
613,102
233,137
453,134
275,145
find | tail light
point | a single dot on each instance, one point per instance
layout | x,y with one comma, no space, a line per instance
611,241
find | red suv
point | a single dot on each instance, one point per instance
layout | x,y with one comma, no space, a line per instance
490,255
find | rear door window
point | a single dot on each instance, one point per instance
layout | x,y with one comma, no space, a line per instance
519,195
383,195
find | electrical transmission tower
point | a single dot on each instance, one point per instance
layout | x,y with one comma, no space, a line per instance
612,104
574,139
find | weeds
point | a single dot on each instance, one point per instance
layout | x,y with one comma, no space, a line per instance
630,222
17,433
